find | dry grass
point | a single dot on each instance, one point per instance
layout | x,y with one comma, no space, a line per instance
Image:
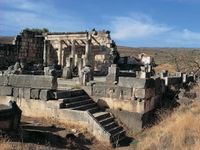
166,66
4,144
180,130
80,128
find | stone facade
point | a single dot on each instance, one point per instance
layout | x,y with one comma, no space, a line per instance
30,46
8,55
89,47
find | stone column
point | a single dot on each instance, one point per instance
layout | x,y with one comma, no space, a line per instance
48,51
87,71
73,48
60,52
45,53
88,53
72,55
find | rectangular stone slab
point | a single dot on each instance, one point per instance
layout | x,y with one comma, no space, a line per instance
20,80
6,91
3,80
136,82
47,95
32,81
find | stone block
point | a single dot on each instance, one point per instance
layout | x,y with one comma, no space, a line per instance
47,95
44,82
33,81
144,93
174,80
35,93
16,92
3,80
59,94
136,82
27,93
99,90
124,93
113,74
21,92
20,80
6,91
159,86
67,73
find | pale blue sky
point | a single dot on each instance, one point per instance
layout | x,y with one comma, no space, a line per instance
136,23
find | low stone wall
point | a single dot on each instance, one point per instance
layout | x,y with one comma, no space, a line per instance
129,105
29,81
28,86
50,109
112,91
133,121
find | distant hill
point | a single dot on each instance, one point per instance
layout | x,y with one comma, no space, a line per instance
6,39
161,55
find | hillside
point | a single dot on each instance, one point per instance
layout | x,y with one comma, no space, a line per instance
177,131
171,59
6,39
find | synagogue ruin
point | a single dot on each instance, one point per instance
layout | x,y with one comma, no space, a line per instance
81,77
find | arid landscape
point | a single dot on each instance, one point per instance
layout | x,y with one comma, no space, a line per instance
99,75
175,127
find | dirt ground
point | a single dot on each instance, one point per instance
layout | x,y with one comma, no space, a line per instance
43,134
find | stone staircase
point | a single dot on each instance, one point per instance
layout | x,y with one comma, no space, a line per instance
78,100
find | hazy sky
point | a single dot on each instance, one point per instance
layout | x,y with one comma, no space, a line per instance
137,23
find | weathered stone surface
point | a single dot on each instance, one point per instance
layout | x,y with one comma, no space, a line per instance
16,92
35,93
20,80
113,74
31,81
44,82
3,80
159,86
124,93
87,75
67,73
136,82
174,80
144,93
47,94
112,91
27,93
6,91
21,92
100,90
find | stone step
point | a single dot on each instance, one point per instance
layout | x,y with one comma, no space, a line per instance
75,98
110,125
62,94
69,93
78,103
101,115
117,136
106,121
85,107
93,110
78,93
115,130
119,141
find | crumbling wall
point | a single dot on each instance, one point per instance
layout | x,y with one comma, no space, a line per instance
28,86
30,46
8,55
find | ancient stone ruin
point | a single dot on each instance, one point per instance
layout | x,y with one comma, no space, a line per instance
80,77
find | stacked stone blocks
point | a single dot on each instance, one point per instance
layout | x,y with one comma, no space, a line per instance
28,86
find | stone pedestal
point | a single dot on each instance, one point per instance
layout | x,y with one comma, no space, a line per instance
113,74
67,73
80,67
87,75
